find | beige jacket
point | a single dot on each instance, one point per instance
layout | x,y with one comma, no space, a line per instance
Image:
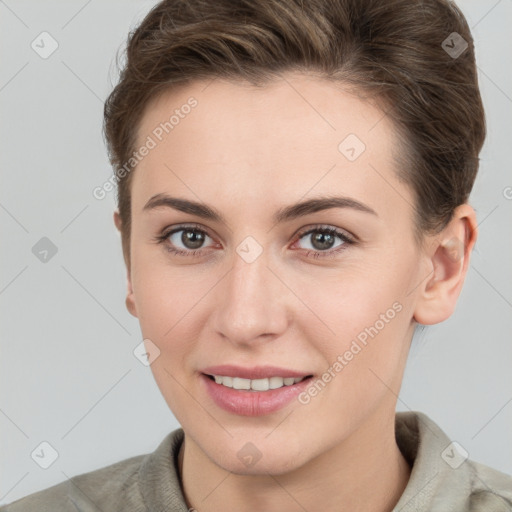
442,480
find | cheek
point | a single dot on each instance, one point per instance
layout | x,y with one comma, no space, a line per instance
365,317
364,360
171,310
162,292
165,306
348,300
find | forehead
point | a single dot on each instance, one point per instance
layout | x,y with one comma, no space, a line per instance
288,137
303,104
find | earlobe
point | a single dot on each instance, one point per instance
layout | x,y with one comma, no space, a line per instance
130,296
130,299
117,220
449,263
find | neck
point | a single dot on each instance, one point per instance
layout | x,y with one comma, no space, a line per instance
364,472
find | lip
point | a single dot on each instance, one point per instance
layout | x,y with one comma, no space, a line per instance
252,403
256,372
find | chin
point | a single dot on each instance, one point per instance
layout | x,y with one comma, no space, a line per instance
249,460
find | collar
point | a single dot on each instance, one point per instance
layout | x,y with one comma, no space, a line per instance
440,479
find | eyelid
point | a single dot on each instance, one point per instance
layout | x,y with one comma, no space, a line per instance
345,236
343,233
183,227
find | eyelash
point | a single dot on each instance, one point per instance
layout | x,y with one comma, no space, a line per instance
163,239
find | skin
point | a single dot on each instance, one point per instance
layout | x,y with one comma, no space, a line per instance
248,152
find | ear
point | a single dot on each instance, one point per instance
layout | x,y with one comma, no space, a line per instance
130,298
449,256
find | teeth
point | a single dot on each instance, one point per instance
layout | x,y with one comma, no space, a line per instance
256,384
275,382
239,383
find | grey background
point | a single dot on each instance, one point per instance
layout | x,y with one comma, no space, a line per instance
68,375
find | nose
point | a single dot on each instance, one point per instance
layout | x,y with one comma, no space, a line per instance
251,304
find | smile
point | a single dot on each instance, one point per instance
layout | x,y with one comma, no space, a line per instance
265,384
253,397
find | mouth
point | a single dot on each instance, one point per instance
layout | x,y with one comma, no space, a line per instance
255,385
254,397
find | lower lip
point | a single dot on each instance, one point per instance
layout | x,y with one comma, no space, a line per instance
253,403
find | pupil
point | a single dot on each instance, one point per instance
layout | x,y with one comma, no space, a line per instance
323,241
192,239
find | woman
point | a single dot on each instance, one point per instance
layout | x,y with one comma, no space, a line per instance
293,180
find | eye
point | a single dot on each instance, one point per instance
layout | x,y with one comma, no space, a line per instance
322,241
191,240
184,240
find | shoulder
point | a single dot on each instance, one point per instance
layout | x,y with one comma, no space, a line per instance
490,489
443,478
110,488
141,483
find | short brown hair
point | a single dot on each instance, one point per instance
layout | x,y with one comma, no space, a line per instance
397,51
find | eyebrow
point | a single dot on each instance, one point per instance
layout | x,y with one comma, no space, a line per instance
284,214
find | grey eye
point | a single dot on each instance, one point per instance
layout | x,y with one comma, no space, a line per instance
190,238
321,240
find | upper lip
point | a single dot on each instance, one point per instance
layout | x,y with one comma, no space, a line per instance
255,372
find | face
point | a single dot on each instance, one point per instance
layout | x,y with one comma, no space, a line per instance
249,280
